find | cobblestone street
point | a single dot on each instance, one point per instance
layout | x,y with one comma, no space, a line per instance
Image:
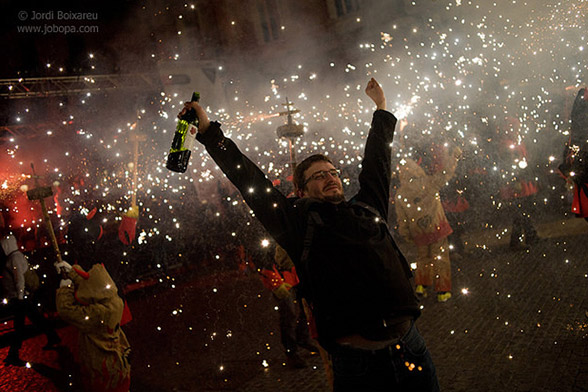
520,323
517,322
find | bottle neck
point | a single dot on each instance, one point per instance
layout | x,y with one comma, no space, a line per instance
190,117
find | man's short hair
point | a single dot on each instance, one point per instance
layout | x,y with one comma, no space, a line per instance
304,165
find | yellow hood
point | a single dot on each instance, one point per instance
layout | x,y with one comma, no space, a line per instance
94,286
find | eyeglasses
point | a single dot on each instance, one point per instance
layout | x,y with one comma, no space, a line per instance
321,175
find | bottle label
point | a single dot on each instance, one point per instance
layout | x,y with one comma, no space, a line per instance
190,137
184,136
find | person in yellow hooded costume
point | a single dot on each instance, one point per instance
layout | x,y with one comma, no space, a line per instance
422,221
90,301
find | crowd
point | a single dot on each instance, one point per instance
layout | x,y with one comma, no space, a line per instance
219,232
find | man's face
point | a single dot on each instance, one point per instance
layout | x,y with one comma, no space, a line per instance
326,187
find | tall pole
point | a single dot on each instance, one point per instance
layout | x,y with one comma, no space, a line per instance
293,162
290,131
40,193
135,137
135,162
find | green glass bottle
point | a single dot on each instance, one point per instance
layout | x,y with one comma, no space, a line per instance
181,148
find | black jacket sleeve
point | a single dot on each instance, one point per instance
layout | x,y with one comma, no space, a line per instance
376,171
275,212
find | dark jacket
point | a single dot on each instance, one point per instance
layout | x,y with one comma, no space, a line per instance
354,276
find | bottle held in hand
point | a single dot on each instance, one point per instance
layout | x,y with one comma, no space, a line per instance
181,148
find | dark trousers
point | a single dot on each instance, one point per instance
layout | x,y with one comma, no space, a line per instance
456,221
404,366
293,324
519,210
25,308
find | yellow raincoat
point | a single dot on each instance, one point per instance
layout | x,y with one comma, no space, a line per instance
421,220
92,305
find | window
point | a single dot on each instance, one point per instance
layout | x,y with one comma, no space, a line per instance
269,19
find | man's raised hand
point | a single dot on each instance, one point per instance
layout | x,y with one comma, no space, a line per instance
375,92
203,121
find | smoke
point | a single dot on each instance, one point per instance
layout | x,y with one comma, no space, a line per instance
457,72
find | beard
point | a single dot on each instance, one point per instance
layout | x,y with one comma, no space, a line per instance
337,198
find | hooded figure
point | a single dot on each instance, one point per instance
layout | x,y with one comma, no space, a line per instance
90,301
421,220
14,268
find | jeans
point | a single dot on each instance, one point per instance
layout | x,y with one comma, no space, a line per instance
403,366
521,223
